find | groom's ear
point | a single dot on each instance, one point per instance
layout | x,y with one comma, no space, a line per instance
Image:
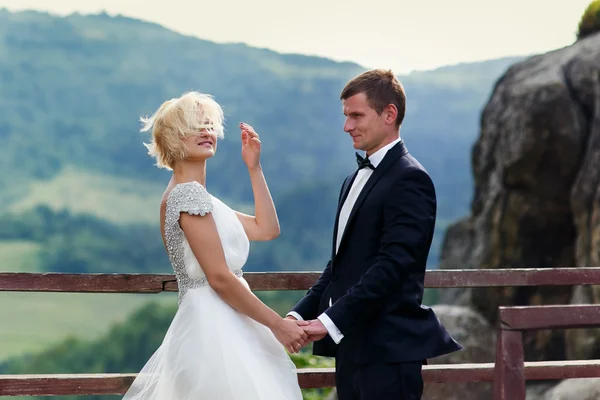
390,114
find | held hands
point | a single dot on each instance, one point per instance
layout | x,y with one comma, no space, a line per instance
290,334
314,329
250,146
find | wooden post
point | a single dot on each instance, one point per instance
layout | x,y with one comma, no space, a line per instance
509,375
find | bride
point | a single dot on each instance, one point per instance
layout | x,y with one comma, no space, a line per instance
223,343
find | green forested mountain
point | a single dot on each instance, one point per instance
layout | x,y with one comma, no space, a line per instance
73,89
80,194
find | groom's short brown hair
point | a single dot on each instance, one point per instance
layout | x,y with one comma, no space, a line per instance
381,88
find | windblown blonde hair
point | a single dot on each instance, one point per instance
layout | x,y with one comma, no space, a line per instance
177,119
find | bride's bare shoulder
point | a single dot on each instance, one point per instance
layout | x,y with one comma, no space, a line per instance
163,200
165,197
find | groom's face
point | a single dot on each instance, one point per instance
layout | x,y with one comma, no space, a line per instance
365,126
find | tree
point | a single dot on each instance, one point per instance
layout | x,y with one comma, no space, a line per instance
590,20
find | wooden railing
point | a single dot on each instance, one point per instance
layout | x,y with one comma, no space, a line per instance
509,383
91,384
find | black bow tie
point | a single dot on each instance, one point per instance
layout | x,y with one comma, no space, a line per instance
363,162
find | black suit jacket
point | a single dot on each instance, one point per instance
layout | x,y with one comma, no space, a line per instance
375,281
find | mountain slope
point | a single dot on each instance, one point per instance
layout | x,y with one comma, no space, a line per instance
72,90
74,87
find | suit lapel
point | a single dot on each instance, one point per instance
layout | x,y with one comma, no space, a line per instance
391,156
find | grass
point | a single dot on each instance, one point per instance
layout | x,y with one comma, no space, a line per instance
118,200
33,321
19,256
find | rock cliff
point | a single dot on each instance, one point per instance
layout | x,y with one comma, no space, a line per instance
536,167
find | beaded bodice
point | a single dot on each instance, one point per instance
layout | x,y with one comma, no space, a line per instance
192,197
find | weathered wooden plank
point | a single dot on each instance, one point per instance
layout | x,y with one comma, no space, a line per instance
512,277
534,371
88,384
281,280
509,374
444,373
310,378
559,370
138,283
155,283
550,317
63,385
84,283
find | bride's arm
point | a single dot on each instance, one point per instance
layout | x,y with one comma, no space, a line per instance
264,225
202,235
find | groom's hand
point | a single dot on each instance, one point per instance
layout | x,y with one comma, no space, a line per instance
315,330
306,325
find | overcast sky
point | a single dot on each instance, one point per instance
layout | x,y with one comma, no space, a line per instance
398,34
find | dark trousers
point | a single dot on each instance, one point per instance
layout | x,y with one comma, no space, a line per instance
397,381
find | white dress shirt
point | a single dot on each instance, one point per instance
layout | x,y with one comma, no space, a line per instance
361,179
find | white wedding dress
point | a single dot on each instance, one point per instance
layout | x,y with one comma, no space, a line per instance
211,351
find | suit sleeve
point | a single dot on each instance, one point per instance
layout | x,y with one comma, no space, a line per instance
409,219
308,307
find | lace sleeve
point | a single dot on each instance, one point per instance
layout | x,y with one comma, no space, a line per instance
190,197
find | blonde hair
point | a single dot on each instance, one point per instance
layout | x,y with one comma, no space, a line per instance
177,119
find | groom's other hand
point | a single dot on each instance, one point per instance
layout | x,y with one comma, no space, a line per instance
315,330
306,326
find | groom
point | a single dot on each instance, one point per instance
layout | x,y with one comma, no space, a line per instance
365,309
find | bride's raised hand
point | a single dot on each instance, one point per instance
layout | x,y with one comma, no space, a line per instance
250,146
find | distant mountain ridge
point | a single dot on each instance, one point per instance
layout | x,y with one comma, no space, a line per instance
74,87
80,194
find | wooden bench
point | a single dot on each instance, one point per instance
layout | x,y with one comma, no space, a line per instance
88,384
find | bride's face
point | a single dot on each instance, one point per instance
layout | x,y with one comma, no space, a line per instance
201,146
